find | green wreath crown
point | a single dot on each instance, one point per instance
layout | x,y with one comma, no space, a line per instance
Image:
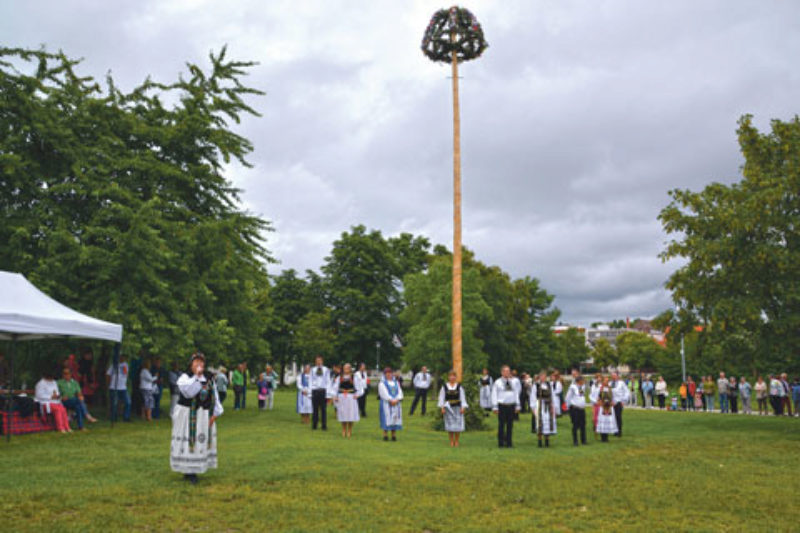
455,29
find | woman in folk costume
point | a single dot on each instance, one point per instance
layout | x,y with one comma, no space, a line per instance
304,407
542,403
391,406
603,399
453,403
345,395
194,433
485,383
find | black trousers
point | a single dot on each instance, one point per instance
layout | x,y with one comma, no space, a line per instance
734,401
618,416
777,404
362,404
505,424
319,402
420,393
533,421
578,418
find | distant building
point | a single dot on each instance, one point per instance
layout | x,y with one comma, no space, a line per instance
603,331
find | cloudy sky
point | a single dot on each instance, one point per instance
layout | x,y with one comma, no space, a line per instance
575,122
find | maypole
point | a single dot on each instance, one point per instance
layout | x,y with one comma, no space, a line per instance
454,36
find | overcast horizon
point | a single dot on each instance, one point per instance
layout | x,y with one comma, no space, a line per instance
576,122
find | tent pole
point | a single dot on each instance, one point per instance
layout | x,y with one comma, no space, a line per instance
113,393
10,385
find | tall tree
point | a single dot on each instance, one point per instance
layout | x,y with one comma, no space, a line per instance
117,204
570,349
741,243
362,282
428,315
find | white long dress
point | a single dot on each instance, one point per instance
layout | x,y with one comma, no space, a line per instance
391,416
346,402
453,417
194,452
544,421
303,405
606,423
486,392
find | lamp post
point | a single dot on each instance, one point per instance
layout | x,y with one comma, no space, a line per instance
683,352
454,35
378,355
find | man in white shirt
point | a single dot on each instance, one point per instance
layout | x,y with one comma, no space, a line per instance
620,396
422,382
362,383
576,402
320,393
118,388
505,402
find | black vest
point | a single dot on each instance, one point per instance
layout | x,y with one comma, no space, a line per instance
204,398
346,385
453,397
544,392
485,381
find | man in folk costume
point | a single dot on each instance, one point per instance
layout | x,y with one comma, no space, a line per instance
485,384
422,382
391,407
542,401
603,398
453,403
194,434
304,407
362,383
320,393
505,402
576,402
621,396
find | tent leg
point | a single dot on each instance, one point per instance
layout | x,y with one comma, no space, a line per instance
10,385
113,397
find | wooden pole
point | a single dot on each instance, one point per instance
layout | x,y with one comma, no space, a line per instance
457,344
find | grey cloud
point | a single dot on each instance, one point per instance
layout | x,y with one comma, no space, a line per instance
576,122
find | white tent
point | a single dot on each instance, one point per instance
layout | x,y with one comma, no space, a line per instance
28,313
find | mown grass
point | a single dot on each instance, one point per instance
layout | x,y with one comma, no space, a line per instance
670,472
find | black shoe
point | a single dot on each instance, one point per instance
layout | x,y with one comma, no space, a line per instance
501,445
385,438
583,442
394,439
575,443
191,478
540,444
547,444
324,429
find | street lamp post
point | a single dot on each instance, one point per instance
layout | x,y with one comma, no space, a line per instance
378,355
683,351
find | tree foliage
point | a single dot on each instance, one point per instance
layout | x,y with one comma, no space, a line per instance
117,204
741,244
505,321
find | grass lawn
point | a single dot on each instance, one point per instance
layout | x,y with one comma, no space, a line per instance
671,471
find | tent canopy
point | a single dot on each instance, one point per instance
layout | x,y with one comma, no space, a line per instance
28,313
